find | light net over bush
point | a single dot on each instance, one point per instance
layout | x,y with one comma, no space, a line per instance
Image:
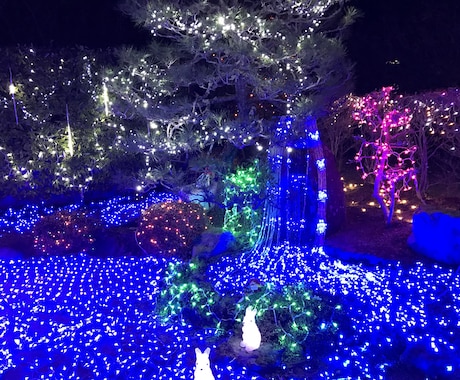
65,232
171,228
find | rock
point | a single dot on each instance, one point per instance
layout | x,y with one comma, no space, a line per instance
437,236
14,245
213,244
10,254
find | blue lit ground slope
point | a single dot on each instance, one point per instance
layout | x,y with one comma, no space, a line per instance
79,317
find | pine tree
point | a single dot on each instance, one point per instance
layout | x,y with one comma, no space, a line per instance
239,72
226,71
55,137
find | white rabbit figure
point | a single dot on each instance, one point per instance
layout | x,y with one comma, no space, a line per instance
203,365
251,334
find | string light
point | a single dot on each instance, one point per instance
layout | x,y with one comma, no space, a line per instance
380,300
55,147
69,132
105,306
433,130
93,317
242,211
105,97
12,89
385,152
169,229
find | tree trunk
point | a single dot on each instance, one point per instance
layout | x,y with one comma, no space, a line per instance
295,211
311,130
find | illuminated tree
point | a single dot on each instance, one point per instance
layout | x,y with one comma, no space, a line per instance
242,199
241,73
338,127
55,137
435,131
386,151
225,71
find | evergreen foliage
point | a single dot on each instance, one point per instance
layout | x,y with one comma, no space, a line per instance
169,229
244,192
57,137
218,72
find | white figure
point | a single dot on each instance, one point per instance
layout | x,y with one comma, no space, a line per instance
251,334
203,365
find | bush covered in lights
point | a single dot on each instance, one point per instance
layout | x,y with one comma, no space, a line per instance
185,297
297,325
170,229
297,322
65,232
243,199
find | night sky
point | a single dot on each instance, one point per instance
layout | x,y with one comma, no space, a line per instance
412,44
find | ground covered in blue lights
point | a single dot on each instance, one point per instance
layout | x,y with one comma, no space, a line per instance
81,317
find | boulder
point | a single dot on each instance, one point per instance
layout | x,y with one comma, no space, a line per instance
436,235
117,241
14,245
10,254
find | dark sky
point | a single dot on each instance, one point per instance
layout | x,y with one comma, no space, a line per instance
91,23
412,44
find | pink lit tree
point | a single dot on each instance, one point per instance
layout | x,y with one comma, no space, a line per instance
386,153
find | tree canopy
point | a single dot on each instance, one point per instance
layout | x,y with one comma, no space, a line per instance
220,70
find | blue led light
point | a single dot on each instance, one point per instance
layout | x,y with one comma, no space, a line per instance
114,212
76,316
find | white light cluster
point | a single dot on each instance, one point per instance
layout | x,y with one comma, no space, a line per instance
40,82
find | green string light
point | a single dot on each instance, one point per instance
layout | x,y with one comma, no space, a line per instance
292,319
242,218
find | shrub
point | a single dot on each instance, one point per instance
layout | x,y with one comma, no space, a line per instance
243,198
299,326
187,297
295,319
169,229
65,232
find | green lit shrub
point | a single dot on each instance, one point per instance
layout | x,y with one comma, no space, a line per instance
169,229
243,199
298,325
65,232
294,319
186,298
